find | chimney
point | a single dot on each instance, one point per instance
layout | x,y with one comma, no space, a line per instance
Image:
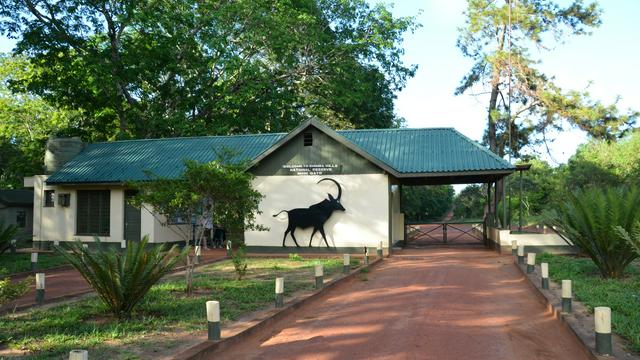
59,151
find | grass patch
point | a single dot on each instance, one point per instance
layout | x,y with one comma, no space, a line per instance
50,334
11,264
621,295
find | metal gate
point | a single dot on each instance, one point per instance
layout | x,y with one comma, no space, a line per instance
445,232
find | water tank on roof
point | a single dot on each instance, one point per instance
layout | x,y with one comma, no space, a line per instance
59,151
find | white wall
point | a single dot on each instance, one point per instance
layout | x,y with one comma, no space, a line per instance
365,221
59,223
504,238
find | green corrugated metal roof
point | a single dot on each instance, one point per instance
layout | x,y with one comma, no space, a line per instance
435,151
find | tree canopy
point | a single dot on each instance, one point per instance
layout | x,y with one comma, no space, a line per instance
498,37
426,203
184,67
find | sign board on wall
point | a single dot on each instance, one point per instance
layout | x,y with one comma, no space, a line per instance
310,169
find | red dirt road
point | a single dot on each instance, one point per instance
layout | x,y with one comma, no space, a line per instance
440,303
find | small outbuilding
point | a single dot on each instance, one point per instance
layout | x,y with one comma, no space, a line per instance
16,208
342,187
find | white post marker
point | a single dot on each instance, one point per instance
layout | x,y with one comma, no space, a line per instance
520,254
78,355
40,288
14,245
566,296
602,317
544,269
56,242
346,263
319,274
229,248
379,250
514,247
213,320
366,255
531,262
34,261
279,292
123,244
198,254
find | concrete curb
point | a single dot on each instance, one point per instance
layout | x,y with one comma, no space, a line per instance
580,322
206,349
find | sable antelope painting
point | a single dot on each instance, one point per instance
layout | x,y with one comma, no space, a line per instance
315,215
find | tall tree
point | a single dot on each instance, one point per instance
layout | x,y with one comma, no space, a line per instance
497,36
185,67
26,121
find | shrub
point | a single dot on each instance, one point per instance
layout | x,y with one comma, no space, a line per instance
122,279
589,218
12,290
295,257
240,262
7,233
632,237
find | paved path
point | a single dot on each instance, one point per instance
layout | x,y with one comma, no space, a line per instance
65,282
439,303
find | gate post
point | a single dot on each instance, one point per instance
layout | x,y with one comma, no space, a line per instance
444,232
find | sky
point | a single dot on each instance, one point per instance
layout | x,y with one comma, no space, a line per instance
606,62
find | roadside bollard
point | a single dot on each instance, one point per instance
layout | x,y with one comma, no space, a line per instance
78,355
123,244
602,316
531,262
346,262
34,261
514,247
229,248
566,296
379,250
319,272
39,288
366,255
521,254
544,269
14,245
279,292
198,253
213,320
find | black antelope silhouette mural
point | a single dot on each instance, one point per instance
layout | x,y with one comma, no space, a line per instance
315,215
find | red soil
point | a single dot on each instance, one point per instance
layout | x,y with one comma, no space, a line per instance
440,303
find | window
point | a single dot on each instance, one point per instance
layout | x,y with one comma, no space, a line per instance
64,200
21,218
93,212
48,197
307,139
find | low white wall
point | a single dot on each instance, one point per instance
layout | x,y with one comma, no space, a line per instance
505,237
365,221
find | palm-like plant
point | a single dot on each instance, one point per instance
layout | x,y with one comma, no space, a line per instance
7,233
632,237
122,279
590,217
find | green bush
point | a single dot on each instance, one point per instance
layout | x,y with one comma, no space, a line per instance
12,290
122,279
240,262
632,237
589,217
7,233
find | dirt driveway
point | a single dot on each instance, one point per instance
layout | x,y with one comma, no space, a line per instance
437,303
